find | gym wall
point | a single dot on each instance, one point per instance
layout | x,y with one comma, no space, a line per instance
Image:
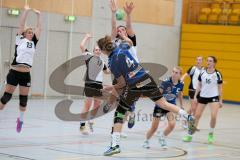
158,42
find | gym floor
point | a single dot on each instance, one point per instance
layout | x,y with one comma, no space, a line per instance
45,137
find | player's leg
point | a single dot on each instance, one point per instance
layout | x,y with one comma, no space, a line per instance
87,104
214,112
200,108
10,87
154,126
127,98
170,126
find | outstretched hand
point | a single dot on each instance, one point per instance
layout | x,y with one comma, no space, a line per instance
128,8
36,11
113,6
26,7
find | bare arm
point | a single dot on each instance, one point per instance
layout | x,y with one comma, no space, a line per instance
39,23
125,38
180,98
199,86
23,20
113,7
128,8
220,94
84,42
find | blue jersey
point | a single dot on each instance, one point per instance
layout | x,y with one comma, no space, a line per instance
121,63
170,91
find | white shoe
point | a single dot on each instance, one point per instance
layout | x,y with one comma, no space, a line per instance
123,135
146,144
90,124
83,130
163,142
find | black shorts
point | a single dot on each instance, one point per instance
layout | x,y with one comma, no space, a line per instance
191,94
146,86
159,112
204,100
19,78
93,89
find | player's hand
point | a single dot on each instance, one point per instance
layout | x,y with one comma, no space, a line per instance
113,6
128,8
26,7
107,88
221,103
195,100
37,11
88,36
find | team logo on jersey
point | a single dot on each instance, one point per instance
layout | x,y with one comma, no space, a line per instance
208,81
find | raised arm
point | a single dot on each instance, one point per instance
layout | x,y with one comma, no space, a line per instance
23,20
113,7
84,42
39,23
128,8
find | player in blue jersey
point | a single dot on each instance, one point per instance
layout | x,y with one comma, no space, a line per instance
171,88
136,82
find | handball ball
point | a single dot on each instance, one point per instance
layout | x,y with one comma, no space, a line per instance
120,14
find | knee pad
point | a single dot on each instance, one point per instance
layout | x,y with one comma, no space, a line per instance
23,100
119,114
6,98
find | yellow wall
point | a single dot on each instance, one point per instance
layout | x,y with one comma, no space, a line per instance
152,11
220,41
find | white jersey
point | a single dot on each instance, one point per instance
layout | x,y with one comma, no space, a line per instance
210,82
194,73
95,67
24,51
133,49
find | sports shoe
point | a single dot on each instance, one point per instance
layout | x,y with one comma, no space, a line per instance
191,125
106,108
112,150
187,138
83,130
210,138
131,120
146,144
19,125
90,123
163,142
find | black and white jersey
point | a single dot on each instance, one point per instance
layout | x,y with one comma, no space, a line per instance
210,82
95,67
133,49
194,73
24,51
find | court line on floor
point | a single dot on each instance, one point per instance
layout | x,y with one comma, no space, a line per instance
122,155
15,156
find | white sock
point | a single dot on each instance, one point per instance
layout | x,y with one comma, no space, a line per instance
183,113
163,136
211,130
21,116
116,138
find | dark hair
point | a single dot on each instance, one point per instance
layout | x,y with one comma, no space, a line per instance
214,59
121,26
106,44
